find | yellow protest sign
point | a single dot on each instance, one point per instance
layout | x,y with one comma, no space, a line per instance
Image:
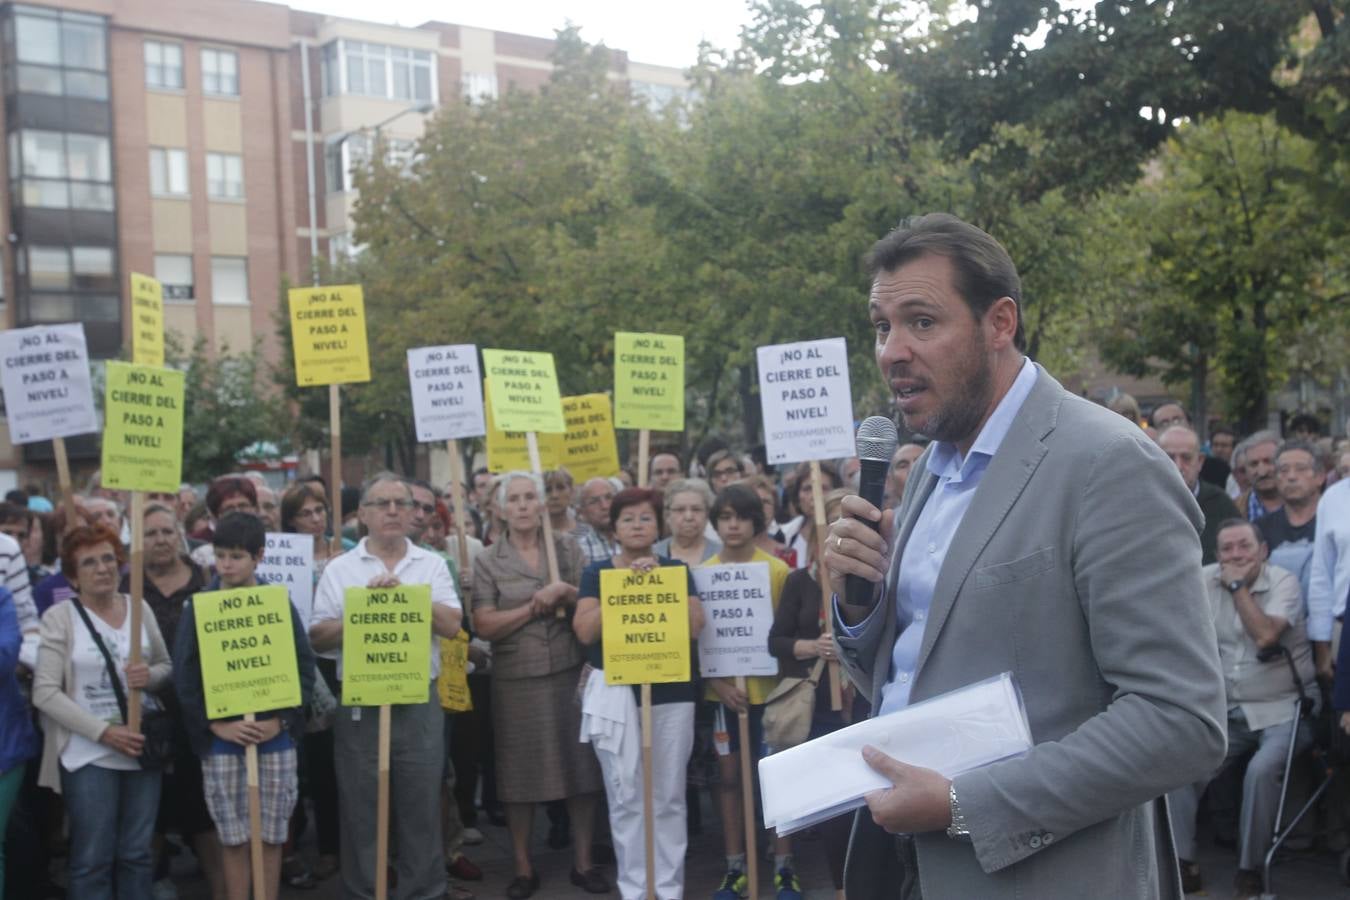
143,428
328,334
247,647
506,450
589,449
452,685
386,645
649,381
147,321
644,620
524,391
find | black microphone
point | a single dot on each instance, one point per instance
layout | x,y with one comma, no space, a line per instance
877,439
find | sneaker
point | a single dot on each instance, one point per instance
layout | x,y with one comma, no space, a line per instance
734,887
472,837
789,888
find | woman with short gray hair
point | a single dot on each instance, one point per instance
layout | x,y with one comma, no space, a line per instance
687,503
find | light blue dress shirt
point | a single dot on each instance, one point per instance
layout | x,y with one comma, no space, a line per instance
933,532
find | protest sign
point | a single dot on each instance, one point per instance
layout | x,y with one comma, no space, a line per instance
46,383
288,560
524,391
143,435
588,447
386,645
808,408
447,393
649,381
452,685
507,450
247,648
645,621
738,607
147,321
328,334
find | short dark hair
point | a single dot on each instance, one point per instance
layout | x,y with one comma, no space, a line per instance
1222,429
635,496
294,498
743,501
13,512
16,497
1169,402
240,531
1236,522
1307,447
1306,422
984,272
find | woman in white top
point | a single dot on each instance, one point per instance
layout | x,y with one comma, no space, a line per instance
88,754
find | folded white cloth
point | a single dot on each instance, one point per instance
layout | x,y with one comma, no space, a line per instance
609,721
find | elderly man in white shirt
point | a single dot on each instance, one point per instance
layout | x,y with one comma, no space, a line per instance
386,558
1256,606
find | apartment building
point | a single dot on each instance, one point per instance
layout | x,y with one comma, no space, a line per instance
211,143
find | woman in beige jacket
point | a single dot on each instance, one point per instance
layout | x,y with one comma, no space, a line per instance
88,754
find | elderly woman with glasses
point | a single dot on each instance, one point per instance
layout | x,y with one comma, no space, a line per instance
89,754
536,664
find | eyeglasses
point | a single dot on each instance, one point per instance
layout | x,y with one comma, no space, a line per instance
595,501
427,508
387,504
726,472
1291,468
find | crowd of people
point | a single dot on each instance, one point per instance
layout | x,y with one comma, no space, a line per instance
523,718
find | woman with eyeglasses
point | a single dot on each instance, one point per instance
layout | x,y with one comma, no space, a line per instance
687,503
89,755
536,664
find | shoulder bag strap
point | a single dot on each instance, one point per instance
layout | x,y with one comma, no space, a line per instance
107,657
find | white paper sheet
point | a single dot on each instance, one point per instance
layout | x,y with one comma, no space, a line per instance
953,733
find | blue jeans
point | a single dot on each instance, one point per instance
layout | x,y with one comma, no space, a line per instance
112,817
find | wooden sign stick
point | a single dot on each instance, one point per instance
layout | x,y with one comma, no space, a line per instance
137,592
255,844
382,808
335,451
551,553
63,481
644,453
818,501
648,816
748,796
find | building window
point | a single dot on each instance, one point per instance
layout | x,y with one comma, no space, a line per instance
163,65
60,53
61,170
174,273
93,268
480,86
168,172
224,176
220,72
229,280
354,151
377,70
71,268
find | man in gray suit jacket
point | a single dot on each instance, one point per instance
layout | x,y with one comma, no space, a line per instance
1040,535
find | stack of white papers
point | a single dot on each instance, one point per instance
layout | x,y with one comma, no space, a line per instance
953,733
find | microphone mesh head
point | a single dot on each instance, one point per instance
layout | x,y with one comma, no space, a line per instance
877,438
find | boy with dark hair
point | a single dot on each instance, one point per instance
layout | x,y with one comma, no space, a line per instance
239,541
738,515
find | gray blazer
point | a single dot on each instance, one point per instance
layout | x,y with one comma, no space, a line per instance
1076,568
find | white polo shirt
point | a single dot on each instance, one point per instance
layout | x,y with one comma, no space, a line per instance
358,566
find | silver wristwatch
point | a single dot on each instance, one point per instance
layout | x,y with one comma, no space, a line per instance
958,830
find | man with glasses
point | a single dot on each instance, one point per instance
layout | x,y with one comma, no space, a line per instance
1289,530
724,467
386,558
595,534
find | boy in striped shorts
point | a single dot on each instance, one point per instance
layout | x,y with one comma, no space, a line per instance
239,541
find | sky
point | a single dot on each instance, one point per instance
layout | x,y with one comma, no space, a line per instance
663,33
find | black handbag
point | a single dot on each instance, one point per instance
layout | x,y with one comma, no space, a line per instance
156,724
